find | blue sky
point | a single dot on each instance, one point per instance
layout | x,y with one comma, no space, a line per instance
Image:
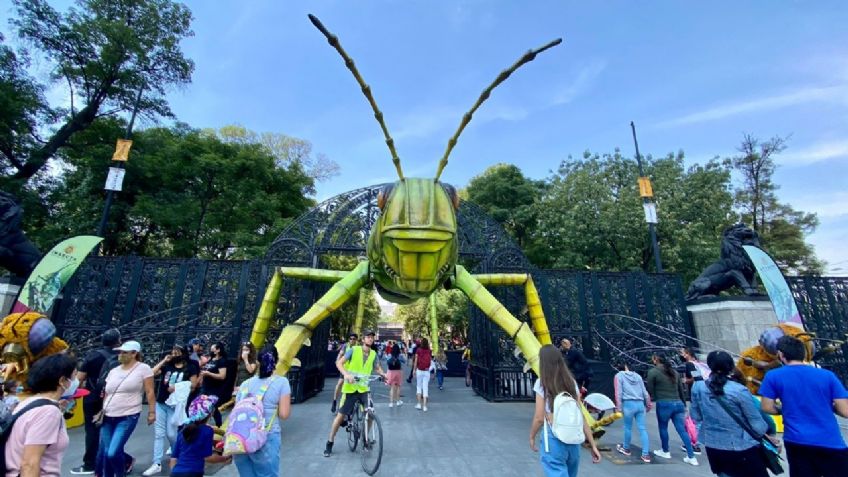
692,76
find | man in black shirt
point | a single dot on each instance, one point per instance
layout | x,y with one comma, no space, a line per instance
88,374
577,363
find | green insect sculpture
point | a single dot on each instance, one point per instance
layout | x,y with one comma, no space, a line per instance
412,251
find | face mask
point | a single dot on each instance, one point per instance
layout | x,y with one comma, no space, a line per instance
71,389
124,358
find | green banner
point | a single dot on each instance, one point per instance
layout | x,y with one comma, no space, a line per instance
53,272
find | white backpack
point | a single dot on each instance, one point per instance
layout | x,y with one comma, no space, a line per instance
566,421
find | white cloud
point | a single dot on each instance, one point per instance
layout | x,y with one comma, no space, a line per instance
825,204
581,83
806,95
818,152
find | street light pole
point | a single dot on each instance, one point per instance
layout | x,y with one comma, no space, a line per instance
646,191
101,229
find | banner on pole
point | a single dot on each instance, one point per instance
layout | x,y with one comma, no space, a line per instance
650,212
53,272
646,191
122,150
115,179
776,286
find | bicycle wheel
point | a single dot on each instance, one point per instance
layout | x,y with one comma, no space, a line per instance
354,426
372,443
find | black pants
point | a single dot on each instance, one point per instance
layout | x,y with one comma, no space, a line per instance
814,461
92,432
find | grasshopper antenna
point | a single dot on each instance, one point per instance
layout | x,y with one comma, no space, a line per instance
526,58
333,40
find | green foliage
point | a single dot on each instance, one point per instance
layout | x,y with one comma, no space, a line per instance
186,194
591,215
783,230
509,197
345,317
105,51
451,312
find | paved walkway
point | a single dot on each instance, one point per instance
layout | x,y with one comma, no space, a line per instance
461,434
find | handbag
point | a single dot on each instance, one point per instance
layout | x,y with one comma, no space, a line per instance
769,453
691,429
97,419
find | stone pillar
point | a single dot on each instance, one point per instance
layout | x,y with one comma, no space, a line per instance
9,288
731,323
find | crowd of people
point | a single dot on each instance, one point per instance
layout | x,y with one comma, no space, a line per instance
186,389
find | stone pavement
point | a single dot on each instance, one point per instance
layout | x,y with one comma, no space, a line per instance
461,434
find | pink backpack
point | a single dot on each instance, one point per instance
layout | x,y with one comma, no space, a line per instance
246,429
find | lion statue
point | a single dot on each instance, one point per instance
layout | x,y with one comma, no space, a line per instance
734,268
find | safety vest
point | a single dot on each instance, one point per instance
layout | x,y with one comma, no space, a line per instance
357,366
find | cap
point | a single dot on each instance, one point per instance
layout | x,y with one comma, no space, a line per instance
194,341
130,346
369,333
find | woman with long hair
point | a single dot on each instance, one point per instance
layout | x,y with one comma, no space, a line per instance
421,365
125,385
665,387
632,400
394,376
214,376
731,451
276,403
248,363
558,458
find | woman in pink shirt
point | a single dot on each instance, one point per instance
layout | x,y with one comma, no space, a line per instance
38,439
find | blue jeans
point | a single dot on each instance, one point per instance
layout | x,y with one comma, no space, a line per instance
675,412
635,410
163,430
440,377
561,460
263,463
114,434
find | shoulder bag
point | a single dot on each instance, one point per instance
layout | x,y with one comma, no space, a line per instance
770,457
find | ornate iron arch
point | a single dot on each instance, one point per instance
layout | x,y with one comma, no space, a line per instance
341,225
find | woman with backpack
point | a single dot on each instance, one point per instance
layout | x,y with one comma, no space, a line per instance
633,400
421,365
394,376
665,387
38,438
195,441
274,392
558,458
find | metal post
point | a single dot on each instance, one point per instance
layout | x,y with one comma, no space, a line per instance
651,226
101,229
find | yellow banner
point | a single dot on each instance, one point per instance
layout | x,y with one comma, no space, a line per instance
645,189
122,150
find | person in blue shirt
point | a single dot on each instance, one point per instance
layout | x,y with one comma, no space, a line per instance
731,451
809,397
193,448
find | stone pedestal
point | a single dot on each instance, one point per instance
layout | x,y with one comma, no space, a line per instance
9,288
731,323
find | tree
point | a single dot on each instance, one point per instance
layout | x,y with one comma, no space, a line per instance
451,312
591,214
509,197
186,194
782,229
285,149
112,54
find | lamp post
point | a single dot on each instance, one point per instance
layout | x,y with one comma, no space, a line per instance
116,174
647,194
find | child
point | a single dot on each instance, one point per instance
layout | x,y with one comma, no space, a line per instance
194,442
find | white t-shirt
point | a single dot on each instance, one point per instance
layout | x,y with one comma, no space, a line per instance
123,396
538,389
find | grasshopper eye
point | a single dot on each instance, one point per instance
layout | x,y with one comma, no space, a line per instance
383,195
452,194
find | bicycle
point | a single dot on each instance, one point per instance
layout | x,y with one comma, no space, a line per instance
365,424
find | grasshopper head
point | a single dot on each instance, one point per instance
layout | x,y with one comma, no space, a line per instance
413,246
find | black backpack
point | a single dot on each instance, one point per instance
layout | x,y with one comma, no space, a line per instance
110,363
8,422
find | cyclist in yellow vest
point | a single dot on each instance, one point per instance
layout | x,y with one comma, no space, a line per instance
357,361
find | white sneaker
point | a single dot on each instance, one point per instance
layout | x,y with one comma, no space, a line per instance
425,408
399,403
418,406
153,470
391,404
692,461
168,451
664,455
